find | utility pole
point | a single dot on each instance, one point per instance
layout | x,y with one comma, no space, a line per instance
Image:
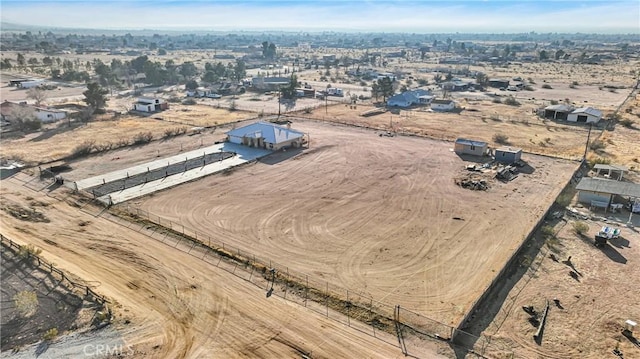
279,103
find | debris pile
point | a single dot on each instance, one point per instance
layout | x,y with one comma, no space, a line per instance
473,184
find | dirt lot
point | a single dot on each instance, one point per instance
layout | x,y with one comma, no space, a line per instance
593,304
169,304
480,120
374,214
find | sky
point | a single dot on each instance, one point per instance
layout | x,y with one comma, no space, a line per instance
420,16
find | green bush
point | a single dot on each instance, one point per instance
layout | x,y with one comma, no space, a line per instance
580,228
50,334
501,139
547,232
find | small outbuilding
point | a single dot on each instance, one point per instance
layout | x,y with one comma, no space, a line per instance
266,135
558,112
508,154
465,146
610,171
443,105
47,115
150,104
585,115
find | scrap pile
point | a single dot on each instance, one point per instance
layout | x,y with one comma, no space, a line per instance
473,184
507,173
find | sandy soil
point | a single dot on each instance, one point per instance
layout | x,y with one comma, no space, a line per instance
595,304
169,304
480,120
372,214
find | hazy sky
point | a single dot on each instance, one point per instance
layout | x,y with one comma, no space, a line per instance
332,15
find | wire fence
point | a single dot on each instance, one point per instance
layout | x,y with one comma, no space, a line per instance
29,257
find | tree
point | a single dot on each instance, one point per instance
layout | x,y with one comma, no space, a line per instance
385,86
162,52
95,96
25,118
188,70
5,64
138,63
36,94
559,54
20,59
240,70
289,91
269,50
191,85
154,73
210,77
482,80
543,55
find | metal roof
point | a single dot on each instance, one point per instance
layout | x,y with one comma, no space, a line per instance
269,132
509,149
601,166
465,141
602,185
559,108
589,111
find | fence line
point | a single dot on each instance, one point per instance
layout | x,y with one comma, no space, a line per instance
44,265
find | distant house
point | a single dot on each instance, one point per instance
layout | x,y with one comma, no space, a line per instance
48,115
45,115
456,85
508,154
199,92
269,83
30,84
150,104
443,105
464,146
266,135
498,83
329,57
410,98
558,112
585,115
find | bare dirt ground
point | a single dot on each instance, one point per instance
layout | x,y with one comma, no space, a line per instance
169,304
480,120
593,304
373,214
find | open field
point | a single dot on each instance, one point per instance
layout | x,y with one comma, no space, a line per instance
172,305
59,140
378,215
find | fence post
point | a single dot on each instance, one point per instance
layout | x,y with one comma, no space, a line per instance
326,301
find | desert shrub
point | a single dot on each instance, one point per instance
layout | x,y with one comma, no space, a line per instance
26,303
189,101
174,99
531,81
597,145
547,232
511,101
546,86
501,138
50,334
27,251
308,110
528,88
580,228
122,142
261,113
627,123
496,100
553,102
598,161
83,149
564,199
233,106
105,146
142,138
574,83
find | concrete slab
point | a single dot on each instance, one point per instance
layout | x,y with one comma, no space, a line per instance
243,153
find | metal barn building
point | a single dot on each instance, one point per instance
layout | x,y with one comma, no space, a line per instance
585,115
266,135
464,146
508,154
